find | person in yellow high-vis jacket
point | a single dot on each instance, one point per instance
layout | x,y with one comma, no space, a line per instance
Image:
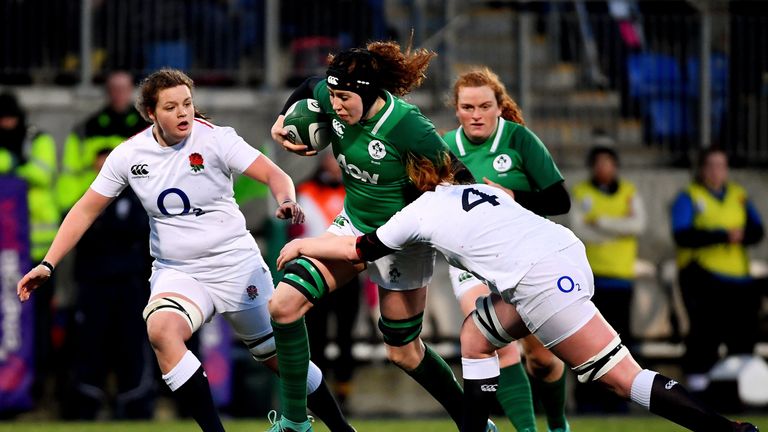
29,154
712,222
104,130
608,215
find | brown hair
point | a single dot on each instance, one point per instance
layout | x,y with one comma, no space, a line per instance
159,80
482,76
703,158
426,174
396,71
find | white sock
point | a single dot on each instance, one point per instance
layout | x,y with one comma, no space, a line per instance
184,369
314,378
479,369
640,393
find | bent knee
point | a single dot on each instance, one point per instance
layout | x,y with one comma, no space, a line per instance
408,356
542,363
287,304
166,328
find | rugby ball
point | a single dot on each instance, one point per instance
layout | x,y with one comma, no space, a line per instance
307,124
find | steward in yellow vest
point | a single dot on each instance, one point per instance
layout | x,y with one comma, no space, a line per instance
30,154
712,222
104,130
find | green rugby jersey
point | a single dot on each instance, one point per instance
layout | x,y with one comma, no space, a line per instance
372,157
512,156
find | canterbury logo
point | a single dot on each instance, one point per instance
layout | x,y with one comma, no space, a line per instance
488,387
139,169
670,384
332,80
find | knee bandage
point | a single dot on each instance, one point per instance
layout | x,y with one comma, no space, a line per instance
304,275
401,332
185,308
487,321
262,348
604,361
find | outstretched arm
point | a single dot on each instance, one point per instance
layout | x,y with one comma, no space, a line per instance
280,184
334,248
78,220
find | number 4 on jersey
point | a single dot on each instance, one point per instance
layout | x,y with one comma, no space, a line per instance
482,197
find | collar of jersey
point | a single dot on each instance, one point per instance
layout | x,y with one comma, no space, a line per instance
176,147
389,103
493,139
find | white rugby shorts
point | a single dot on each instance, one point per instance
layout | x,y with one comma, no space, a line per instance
404,270
553,298
229,282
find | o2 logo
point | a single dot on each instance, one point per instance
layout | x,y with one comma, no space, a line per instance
184,201
566,284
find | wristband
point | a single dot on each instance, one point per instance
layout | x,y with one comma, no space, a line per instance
287,201
47,265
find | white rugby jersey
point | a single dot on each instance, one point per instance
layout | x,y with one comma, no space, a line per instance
478,228
186,189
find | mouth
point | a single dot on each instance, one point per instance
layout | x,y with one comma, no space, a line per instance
183,125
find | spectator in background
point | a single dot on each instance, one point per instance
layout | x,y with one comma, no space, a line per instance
30,154
104,130
608,216
322,198
110,336
712,222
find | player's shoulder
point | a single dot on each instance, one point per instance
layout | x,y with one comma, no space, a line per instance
141,139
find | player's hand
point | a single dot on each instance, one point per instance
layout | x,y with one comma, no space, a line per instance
289,209
280,135
288,253
509,192
32,281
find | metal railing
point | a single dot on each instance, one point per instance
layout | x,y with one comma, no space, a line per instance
696,73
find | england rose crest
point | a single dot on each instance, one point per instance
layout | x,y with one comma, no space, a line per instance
196,162
252,292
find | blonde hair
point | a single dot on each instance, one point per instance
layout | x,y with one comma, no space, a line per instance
150,88
483,76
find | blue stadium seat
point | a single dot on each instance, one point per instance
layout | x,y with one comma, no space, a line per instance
719,91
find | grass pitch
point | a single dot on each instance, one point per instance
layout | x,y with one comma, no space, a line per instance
578,424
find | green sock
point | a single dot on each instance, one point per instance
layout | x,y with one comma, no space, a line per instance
552,396
514,395
293,360
434,374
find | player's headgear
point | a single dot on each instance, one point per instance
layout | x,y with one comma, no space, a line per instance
355,70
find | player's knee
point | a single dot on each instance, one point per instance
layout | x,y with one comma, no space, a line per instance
170,318
541,365
407,356
307,278
401,332
487,322
262,348
165,329
602,363
286,305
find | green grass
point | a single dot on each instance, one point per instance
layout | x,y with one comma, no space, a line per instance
578,424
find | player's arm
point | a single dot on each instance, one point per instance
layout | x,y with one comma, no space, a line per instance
262,169
77,221
353,249
279,134
552,197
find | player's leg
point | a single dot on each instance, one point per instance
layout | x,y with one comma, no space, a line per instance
402,278
577,333
252,326
171,319
485,330
400,323
514,391
596,353
306,280
547,374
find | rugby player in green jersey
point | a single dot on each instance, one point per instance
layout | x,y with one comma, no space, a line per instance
374,135
496,147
